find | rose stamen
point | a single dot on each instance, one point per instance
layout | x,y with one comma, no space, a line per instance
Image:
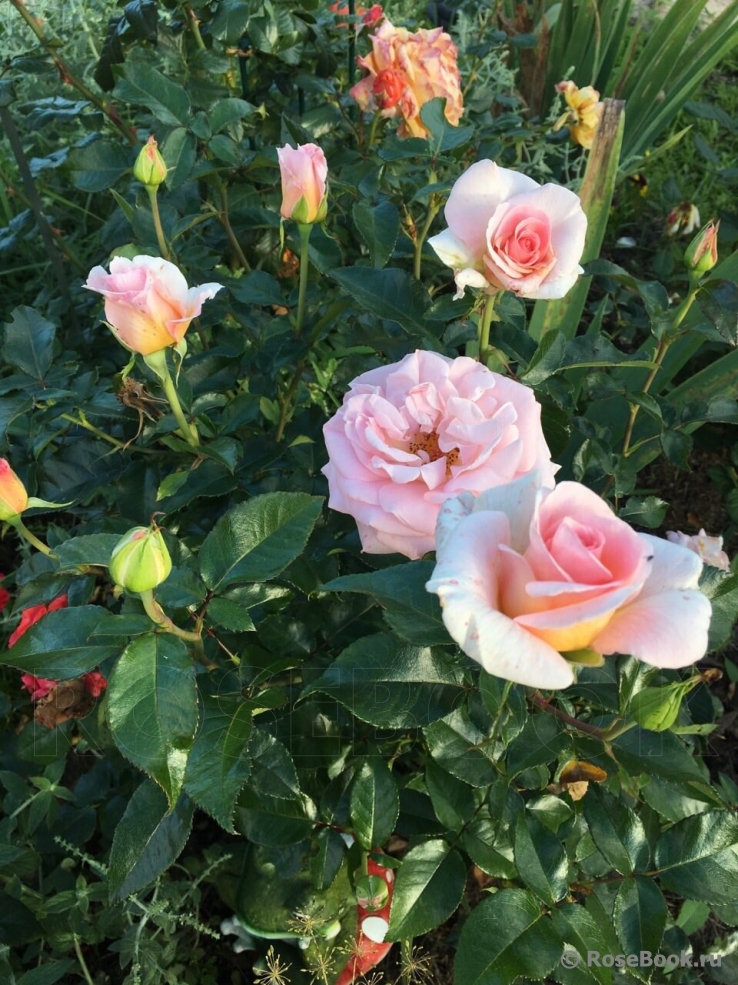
428,443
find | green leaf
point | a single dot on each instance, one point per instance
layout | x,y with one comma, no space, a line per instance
152,708
273,771
326,862
256,540
229,111
458,746
617,831
273,822
428,888
639,917
87,549
505,703
657,753
375,803
58,645
443,135
453,801
482,843
390,684
379,226
506,937
698,857
18,925
390,293
144,85
646,511
179,151
98,165
219,763
28,342
541,860
46,974
719,300
148,840
576,925
412,612
230,615
540,742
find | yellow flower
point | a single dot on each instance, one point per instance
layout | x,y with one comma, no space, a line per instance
584,113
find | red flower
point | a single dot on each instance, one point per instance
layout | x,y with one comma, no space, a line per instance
388,87
95,683
32,614
373,15
4,595
37,687
372,925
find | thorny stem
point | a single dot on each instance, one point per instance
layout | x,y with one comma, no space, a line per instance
31,538
157,615
434,206
160,237
195,27
539,700
157,361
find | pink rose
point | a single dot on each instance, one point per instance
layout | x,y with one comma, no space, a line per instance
421,66
147,302
710,549
13,495
525,575
415,433
304,171
507,232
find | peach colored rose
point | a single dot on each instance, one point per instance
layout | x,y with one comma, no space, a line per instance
13,495
525,575
422,66
414,433
584,113
304,171
507,232
710,549
148,305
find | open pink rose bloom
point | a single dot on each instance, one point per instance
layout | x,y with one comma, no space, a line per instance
148,304
526,574
507,232
415,433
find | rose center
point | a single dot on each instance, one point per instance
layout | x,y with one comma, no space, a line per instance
428,443
388,87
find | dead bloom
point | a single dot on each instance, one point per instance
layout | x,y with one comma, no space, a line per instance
406,71
583,115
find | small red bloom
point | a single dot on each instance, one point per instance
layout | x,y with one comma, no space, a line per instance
388,87
370,946
37,687
95,683
31,616
373,15
4,595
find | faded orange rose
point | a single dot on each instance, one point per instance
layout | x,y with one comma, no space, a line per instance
407,70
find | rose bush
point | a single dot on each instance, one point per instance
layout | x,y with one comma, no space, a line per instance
507,232
406,70
148,304
525,575
414,433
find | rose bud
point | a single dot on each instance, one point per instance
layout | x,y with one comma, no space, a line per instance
701,255
304,171
140,560
13,495
150,168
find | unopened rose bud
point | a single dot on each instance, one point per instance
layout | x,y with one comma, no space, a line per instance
371,892
140,561
656,708
13,495
304,171
701,255
150,168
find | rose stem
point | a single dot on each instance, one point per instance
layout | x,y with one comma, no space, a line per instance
157,615
157,361
305,230
434,206
160,237
31,538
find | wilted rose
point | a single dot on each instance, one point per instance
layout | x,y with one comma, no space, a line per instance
710,549
414,433
421,66
304,171
507,232
148,304
524,575
584,114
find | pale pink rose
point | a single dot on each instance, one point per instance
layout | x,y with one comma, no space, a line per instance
507,232
406,71
412,434
525,575
304,172
710,549
148,304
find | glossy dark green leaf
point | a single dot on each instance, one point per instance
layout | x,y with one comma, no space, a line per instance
412,612
487,849
179,151
698,857
506,704
507,936
453,801
148,839
18,925
576,925
718,299
375,803
391,684
144,85
428,888
640,917
28,342
540,742
379,226
326,861
98,165
256,540
540,859
152,708
617,831
274,822
273,770
444,136
658,754
58,646
219,762
459,747
87,549
390,293
230,615
229,111
647,511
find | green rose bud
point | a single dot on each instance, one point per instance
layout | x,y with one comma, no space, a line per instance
657,708
150,168
371,892
701,255
140,561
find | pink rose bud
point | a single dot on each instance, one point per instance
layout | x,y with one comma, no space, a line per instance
701,255
304,171
373,15
150,168
13,495
148,304
710,549
507,232
140,560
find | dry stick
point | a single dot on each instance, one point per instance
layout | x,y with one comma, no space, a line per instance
37,207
